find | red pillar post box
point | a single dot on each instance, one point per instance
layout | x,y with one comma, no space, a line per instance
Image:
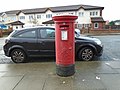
65,44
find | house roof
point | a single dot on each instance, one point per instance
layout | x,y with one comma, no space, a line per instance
97,19
74,8
65,8
54,9
13,12
48,22
61,8
89,7
15,23
32,11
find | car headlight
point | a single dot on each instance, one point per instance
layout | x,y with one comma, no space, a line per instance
98,42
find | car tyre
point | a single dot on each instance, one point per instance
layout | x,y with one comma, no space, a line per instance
86,54
18,56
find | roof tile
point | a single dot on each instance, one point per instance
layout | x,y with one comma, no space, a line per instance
55,9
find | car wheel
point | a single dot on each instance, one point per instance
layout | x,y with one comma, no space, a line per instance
86,54
18,56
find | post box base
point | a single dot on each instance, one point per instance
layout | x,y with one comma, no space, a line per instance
65,71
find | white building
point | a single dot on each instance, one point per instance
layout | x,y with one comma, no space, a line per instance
37,16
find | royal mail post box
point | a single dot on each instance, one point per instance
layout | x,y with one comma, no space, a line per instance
65,44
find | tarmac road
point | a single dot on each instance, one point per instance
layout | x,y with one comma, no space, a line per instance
110,53
111,50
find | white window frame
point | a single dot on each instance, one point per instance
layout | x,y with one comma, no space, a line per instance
22,17
96,24
90,13
31,17
96,13
38,16
93,13
48,16
81,14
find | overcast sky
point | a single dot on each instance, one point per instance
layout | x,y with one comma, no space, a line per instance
111,7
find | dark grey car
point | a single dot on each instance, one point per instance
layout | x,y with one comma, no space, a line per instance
40,41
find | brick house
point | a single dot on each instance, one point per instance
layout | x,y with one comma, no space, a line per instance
97,23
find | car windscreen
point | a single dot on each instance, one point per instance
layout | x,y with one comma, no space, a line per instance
12,33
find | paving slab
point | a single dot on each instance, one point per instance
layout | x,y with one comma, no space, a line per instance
87,83
95,67
118,70
54,82
27,69
31,83
111,81
9,83
114,64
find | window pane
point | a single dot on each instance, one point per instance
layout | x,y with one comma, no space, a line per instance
93,13
22,17
50,33
49,16
81,14
96,13
96,25
43,33
90,13
31,17
38,16
29,34
47,33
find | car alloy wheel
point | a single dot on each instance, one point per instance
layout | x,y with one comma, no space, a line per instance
86,54
18,56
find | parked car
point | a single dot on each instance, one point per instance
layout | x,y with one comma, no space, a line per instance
40,41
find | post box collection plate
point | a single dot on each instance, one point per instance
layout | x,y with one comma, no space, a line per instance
64,35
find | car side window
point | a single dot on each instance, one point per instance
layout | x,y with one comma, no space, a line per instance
48,33
27,34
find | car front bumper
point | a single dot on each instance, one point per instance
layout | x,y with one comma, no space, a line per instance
99,51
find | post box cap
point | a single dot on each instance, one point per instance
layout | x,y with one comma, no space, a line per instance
65,18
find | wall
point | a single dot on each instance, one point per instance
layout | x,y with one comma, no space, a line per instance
1,34
97,32
100,26
17,27
100,31
5,32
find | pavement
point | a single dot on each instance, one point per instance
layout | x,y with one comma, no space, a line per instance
91,75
